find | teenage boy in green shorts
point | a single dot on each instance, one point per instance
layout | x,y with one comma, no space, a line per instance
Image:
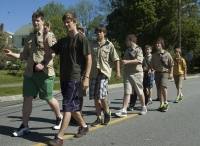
75,65
133,75
36,80
104,56
162,63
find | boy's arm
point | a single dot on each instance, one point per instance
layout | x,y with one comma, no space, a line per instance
85,81
185,69
171,72
117,64
9,53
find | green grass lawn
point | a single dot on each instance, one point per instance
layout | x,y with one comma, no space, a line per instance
18,90
13,78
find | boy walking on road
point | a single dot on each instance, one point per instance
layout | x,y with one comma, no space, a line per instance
180,70
162,63
75,61
36,80
148,78
103,57
133,74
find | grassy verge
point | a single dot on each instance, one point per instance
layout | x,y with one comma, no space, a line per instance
13,77
18,90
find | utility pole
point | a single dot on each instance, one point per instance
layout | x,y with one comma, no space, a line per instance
179,23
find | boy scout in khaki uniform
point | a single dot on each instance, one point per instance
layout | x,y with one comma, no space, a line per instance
162,63
104,56
133,74
38,76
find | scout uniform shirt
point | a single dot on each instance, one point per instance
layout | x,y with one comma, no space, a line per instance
34,48
132,54
162,61
147,60
103,58
179,67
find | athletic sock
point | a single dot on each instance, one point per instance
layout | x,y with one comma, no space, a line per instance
166,102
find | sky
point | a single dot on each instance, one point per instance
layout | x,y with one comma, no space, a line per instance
15,13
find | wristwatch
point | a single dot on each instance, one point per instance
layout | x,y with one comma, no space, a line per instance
43,62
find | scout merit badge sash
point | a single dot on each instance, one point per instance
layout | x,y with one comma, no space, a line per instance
162,61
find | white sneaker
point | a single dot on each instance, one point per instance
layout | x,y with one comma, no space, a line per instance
21,131
143,111
121,113
58,123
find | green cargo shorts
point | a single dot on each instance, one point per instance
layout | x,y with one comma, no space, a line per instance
40,83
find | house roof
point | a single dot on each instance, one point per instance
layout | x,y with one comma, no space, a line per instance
24,30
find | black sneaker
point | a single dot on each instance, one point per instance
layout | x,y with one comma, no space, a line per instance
81,131
56,142
97,122
21,131
107,117
58,123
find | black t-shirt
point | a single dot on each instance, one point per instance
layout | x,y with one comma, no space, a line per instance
72,51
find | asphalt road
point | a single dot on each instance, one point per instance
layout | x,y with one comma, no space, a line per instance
179,126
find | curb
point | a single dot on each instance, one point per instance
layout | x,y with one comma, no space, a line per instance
19,97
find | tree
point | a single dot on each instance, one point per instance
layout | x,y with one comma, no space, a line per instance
89,16
148,19
53,13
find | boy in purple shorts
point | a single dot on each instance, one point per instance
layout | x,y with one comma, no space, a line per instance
75,61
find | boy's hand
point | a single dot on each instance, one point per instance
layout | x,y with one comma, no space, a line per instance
85,83
124,62
170,76
145,68
117,76
46,28
39,67
7,52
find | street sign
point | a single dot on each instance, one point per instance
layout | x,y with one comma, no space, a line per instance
188,57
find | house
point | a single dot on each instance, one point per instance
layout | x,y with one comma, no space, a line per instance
20,35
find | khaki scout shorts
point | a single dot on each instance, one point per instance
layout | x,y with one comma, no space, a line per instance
40,83
178,81
161,79
133,81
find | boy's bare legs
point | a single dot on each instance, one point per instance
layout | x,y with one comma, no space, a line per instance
142,100
81,104
164,93
178,92
78,117
104,105
26,110
126,101
53,103
150,93
98,104
65,123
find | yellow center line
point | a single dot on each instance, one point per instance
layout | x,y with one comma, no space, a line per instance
91,128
